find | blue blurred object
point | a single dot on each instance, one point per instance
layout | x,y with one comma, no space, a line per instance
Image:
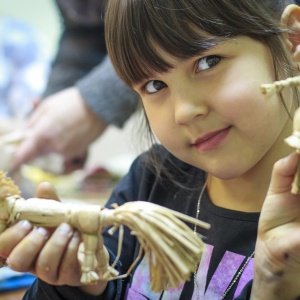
11,280
24,67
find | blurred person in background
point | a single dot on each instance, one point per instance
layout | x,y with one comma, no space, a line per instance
24,68
83,95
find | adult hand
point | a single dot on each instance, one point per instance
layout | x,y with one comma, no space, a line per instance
62,124
277,254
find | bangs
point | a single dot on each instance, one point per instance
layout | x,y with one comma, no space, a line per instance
147,58
174,33
146,30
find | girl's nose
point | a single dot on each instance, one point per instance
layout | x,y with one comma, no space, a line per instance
188,106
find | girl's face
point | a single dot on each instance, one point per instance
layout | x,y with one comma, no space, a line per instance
209,112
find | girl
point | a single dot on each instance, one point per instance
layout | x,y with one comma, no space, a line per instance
198,66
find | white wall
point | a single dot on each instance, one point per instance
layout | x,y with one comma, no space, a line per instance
42,14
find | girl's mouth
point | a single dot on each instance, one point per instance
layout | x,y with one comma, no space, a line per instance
212,140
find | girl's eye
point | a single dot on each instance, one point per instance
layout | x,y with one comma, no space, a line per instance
207,62
154,86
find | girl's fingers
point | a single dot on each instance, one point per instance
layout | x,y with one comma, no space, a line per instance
23,256
70,268
53,259
50,257
10,238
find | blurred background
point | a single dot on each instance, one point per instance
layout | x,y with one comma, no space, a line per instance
43,16
110,156
116,148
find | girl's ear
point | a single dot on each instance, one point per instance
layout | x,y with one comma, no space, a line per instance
291,19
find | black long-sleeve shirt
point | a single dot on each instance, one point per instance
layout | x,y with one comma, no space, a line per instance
228,243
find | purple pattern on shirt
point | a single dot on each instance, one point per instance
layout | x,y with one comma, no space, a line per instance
246,276
141,285
224,274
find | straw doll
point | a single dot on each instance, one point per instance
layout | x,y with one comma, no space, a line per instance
172,247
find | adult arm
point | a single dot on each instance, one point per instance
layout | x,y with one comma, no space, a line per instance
68,121
82,62
82,44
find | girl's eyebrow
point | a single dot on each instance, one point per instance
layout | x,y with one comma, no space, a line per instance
203,52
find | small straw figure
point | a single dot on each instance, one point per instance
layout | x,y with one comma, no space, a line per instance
172,248
278,86
293,140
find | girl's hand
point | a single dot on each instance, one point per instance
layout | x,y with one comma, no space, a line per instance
50,254
277,254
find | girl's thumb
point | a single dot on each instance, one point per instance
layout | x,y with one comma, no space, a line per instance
45,190
283,174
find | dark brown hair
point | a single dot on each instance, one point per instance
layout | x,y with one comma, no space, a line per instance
139,31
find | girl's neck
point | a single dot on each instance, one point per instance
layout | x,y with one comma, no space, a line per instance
247,192
237,194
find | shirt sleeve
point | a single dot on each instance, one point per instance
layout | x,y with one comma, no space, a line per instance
80,50
107,96
82,61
